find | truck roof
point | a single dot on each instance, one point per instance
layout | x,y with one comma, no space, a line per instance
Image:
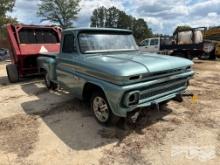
98,29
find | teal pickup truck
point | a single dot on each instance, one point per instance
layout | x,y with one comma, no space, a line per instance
105,67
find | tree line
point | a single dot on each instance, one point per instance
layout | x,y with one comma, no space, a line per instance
115,18
64,12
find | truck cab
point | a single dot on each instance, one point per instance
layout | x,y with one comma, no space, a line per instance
106,68
151,45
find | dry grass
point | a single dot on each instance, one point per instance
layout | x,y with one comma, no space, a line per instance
129,148
18,134
176,121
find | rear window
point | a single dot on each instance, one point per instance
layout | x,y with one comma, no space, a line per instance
38,36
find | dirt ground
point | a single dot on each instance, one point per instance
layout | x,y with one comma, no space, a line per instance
38,127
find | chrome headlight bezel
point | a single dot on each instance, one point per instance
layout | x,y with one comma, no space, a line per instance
131,98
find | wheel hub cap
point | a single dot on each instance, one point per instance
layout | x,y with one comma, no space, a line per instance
100,108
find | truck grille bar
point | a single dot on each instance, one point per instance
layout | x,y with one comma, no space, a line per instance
158,89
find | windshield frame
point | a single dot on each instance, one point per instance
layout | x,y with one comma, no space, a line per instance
108,50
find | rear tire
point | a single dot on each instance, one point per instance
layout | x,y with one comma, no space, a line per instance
101,110
49,84
12,73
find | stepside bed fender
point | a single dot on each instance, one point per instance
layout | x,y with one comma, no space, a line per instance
47,64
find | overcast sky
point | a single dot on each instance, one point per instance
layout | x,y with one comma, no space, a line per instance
161,15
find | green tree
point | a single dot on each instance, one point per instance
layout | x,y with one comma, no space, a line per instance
99,17
63,12
112,19
115,18
125,21
182,28
141,29
6,6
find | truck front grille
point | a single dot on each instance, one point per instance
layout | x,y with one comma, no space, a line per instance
162,88
162,74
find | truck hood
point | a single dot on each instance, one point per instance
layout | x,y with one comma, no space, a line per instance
136,63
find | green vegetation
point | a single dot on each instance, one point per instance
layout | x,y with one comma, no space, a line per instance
5,6
182,28
62,12
115,18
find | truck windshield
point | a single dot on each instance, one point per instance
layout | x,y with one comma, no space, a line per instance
106,42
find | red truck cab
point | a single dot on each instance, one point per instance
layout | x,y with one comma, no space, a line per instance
27,43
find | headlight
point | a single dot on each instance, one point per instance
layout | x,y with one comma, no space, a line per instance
132,98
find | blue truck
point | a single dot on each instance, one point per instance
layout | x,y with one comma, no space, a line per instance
105,67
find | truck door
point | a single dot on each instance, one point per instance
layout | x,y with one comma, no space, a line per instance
154,46
66,64
144,46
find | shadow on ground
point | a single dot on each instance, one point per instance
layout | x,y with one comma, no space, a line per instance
28,80
4,81
73,123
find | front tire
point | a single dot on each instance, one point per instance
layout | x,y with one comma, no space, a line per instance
12,73
101,110
49,84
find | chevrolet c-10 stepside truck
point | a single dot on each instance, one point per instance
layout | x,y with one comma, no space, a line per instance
105,67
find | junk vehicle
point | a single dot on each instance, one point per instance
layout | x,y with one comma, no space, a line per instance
212,35
27,42
105,67
184,43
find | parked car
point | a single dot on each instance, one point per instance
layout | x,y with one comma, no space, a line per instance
105,67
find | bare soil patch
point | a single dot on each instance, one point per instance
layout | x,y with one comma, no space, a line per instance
18,134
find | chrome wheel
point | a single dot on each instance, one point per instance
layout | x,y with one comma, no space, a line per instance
100,108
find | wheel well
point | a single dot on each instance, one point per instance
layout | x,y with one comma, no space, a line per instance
89,89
